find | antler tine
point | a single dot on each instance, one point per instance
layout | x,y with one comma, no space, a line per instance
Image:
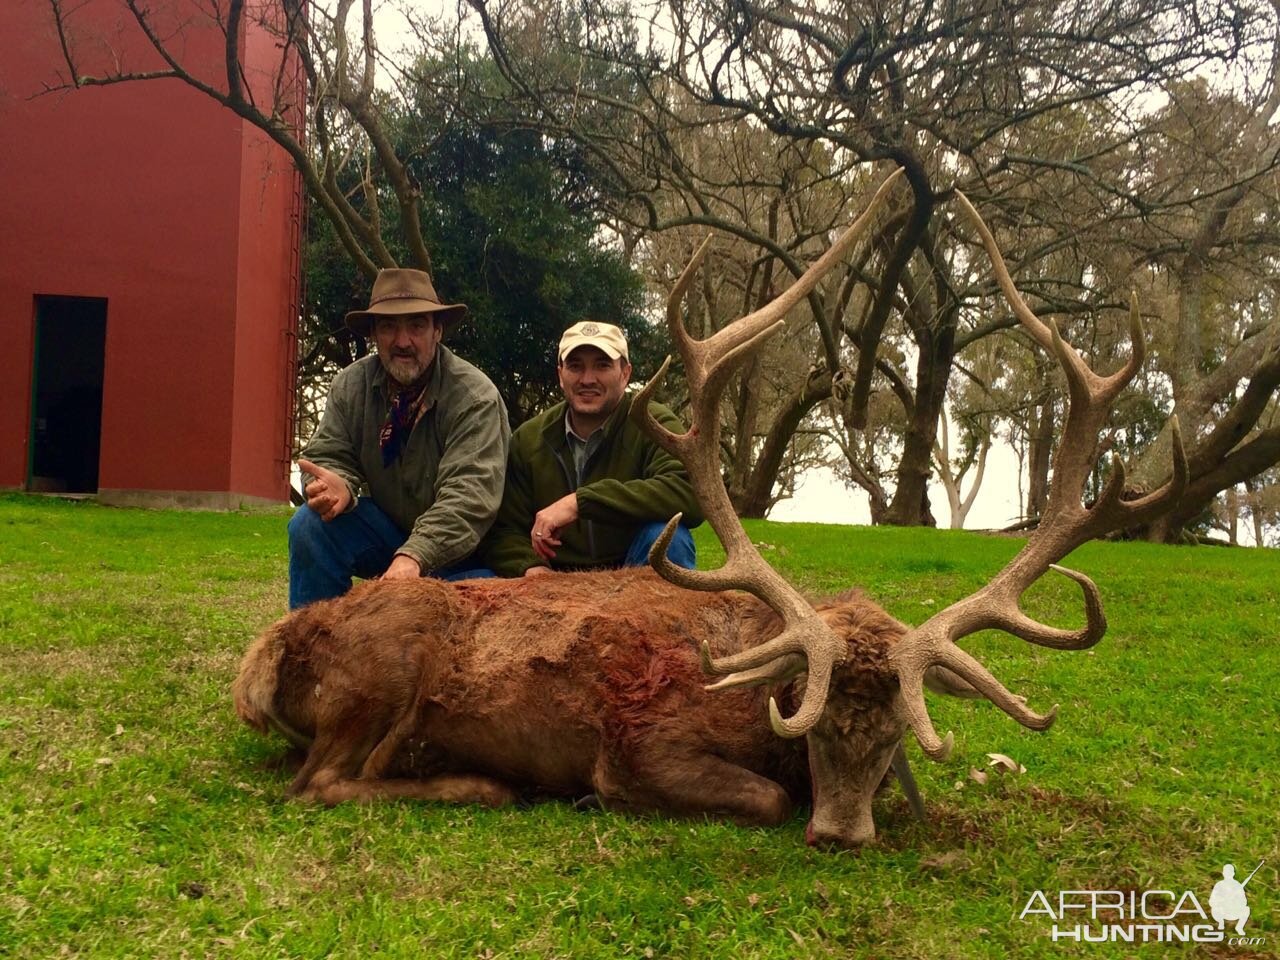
1151,505
1085,385
972,670
1095,619
1111,512
723,344
1138,344
675,299
779,669
1065,525
708,365
913,709
1009,617
933,644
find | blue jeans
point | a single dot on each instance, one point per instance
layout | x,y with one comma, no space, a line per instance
323,557
681,551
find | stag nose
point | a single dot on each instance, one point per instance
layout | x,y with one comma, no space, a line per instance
854,834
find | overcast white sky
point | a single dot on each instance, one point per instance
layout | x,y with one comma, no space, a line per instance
821,498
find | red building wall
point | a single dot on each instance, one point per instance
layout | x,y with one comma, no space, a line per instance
184,218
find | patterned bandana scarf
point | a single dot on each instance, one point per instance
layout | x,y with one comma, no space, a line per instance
407,408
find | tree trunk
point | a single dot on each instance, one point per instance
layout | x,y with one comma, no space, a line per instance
959,505
866,477
1250,459
879,506
1224,457
1252,487
746,417
1040,452
756,496
910,503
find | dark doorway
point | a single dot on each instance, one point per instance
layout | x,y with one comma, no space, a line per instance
66,408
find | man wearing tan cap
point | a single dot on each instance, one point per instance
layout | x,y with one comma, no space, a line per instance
404,474
586,487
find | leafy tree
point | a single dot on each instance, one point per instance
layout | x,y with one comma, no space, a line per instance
509,216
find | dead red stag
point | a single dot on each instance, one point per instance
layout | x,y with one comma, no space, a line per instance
593,683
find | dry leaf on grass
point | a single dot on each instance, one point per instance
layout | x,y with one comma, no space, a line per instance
1004,763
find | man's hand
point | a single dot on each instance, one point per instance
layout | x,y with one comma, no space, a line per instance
538,571
547,523
403,567
328,494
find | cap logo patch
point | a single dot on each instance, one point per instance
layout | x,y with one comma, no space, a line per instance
589,330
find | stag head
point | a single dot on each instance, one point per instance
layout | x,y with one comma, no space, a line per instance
861,674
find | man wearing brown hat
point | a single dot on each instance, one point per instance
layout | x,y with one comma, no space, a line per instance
404,474
586,487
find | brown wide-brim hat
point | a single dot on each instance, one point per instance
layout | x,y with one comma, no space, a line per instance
399,291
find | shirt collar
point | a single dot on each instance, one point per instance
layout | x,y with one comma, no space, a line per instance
571,435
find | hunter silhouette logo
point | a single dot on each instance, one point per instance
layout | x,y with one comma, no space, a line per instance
1148,916
1228,900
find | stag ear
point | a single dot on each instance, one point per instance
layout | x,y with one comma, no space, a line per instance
944,681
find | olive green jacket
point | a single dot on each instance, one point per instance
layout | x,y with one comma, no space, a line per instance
445,488
629,481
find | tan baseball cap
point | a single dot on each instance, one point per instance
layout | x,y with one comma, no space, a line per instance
589,333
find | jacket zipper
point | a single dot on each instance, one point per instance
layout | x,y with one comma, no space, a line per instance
570,477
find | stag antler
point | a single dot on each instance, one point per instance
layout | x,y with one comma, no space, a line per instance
1065,524
708,365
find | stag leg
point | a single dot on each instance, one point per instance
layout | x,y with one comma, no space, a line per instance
348,765
330,776
445,788
697,785
324,750
380,757
346,750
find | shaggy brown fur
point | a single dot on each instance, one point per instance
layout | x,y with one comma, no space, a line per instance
571,684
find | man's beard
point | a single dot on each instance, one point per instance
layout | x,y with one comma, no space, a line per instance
405,370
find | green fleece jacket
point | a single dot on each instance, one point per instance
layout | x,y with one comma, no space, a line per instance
629,481
445,488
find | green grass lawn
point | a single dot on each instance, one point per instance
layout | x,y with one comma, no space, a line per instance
140,819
